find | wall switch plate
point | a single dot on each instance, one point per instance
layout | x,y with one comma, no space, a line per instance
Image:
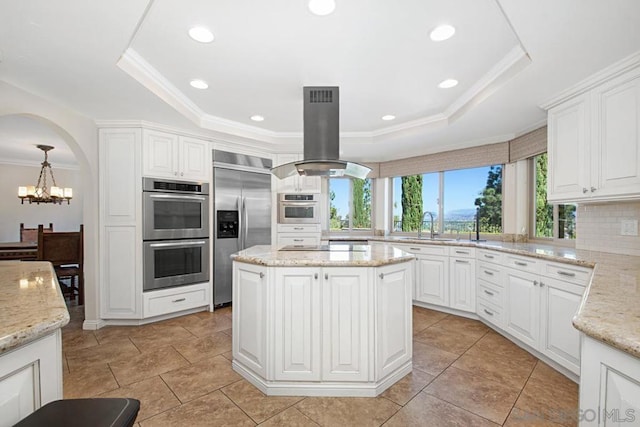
629,227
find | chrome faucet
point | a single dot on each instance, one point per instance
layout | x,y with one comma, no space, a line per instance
422,221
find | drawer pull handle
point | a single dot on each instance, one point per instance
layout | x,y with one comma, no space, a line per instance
298,240
535,283
462,252
566,273
261,275
381,275
488,312
415,249
489,256
179,300
298,228
520,263
315,276
488,293
489,273
462,261
326,276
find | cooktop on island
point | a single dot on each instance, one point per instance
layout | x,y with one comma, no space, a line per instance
325,248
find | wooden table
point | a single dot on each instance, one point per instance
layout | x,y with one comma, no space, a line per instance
18,250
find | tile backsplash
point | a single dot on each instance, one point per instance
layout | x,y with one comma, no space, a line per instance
599,227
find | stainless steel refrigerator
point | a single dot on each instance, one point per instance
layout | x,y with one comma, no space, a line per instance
241,212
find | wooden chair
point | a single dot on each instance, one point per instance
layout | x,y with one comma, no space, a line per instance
65,250
31,234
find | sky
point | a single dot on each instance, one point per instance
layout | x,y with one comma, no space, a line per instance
462,187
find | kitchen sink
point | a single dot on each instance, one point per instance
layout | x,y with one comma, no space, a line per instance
426,239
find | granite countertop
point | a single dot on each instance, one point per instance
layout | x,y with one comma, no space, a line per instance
361,256
31,303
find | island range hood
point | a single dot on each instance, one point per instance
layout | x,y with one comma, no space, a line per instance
321,139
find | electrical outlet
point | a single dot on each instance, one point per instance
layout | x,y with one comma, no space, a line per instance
629,227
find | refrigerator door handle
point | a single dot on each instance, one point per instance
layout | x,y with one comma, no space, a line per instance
241,225
245,223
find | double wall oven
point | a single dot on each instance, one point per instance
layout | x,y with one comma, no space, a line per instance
175,233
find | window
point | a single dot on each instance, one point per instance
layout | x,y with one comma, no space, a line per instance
349,204
463,193
549,220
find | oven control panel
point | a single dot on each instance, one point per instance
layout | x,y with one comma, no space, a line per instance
227,224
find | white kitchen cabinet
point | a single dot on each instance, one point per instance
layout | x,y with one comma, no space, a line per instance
609,386
462,279
171,300
345,314
393,317
167,155
432,279
296,184
298,234
250,316
594,143
522,306
490,290
30,377
297,325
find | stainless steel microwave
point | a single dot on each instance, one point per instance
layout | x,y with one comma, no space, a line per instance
174,209
298,208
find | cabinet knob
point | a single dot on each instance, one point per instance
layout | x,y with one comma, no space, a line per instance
535,283
261,275
175,173
593,189
315,276
181,173
541,285
326,276
584,190
381,275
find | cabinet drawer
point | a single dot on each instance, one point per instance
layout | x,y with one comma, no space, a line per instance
294,239
490,293
567,272
298,228
491,273
490,256
175,299
462,252
522,263
423,249
489,312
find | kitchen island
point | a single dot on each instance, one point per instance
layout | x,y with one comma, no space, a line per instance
335,321
32,311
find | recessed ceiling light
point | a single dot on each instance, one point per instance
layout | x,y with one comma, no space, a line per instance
322,7
257,118
199,84
442,32
449,83
388,117
201,34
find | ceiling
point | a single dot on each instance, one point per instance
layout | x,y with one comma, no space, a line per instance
133,60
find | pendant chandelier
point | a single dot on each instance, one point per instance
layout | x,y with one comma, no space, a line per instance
41,192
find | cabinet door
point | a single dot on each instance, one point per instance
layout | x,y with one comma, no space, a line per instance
462,284
288,185
617,136
432,279
558,338
522,306
160,154
568,148
297,325
250,316
393,317
309,184
345,332
194,159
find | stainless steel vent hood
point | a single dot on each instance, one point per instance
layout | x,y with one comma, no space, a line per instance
321,139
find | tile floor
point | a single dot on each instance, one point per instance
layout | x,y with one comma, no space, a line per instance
464,374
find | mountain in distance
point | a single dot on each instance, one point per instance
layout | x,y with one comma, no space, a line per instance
460,215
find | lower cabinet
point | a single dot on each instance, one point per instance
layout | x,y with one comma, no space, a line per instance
609,386
432,279
522,307
171,300
462,281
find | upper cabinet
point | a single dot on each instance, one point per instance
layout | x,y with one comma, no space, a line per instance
296,184
167,155
594,143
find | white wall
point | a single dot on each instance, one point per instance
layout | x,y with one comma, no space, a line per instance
64,217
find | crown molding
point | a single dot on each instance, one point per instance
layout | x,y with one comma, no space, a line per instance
614,70
36,164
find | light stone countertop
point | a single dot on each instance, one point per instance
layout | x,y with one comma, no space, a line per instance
362,256
31,303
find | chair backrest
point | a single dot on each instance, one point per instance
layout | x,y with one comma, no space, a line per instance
61,248
31,234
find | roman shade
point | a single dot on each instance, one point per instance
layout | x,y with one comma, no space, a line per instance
528,145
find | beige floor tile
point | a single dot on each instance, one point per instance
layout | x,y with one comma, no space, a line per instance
200,348
77,339
290,417
457,323
88,381
520,418
110,334
212,410
161,336
101,354
423,318
154,396
405,389
209,325
65,364
228,355
430,359
147,365
348,411
201,378
495,367
187,320
454,342
255,403
550,395
489,399
495,343
428,411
